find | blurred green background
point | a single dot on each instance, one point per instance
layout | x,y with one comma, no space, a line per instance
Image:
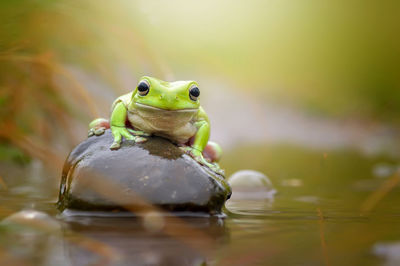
63,62
307,92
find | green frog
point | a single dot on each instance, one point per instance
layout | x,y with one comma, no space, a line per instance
168,109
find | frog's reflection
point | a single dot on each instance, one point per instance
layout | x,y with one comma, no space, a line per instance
153,240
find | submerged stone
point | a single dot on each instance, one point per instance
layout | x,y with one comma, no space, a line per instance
138,177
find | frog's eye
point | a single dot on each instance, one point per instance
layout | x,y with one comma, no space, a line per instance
143,87
194,93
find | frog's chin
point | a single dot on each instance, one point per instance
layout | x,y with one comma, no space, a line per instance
176,125
142,106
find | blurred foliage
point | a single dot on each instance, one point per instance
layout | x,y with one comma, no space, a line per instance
338,58
41,97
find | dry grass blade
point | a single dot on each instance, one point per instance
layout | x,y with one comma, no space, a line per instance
45,60
4,211
322,237
94,246
375,197
34,148
3,184
80,89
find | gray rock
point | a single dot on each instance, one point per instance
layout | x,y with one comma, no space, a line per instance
138,177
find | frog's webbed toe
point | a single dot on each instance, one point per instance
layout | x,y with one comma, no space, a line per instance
139,139
99,131
96,131
186,149
138,132
201,160
216,168
115,146
91,132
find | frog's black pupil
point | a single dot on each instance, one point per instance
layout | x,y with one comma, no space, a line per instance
142,87
195,92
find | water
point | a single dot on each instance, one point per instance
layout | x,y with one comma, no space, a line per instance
331,208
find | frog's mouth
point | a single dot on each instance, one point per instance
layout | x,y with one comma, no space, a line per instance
144,107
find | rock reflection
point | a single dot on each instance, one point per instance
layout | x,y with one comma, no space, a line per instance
134,242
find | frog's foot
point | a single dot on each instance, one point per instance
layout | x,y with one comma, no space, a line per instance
116,145
98,127
185,148
216,168
139,139
138,133
90,132
119,132
96,131
198,156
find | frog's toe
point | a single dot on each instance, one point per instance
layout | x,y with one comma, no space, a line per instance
138,132
99,131
213,166
185,149
115,146
140,139
90,132
216,168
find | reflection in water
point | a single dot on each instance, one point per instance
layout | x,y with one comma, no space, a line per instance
132,243
37,238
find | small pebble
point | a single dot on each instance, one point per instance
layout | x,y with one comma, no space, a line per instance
382,170
388,251
32,220
251,184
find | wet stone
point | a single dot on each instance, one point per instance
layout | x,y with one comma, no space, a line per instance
138,177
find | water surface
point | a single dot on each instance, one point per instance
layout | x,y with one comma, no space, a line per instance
332,208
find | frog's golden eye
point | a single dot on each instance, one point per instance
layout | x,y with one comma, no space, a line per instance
194,93
143,87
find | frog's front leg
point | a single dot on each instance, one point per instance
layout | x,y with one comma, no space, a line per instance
118,128
199,144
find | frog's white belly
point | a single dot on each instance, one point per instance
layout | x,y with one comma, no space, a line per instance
176,125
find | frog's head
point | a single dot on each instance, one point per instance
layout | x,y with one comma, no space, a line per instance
178,95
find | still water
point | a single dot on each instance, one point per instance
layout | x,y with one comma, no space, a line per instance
331,208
